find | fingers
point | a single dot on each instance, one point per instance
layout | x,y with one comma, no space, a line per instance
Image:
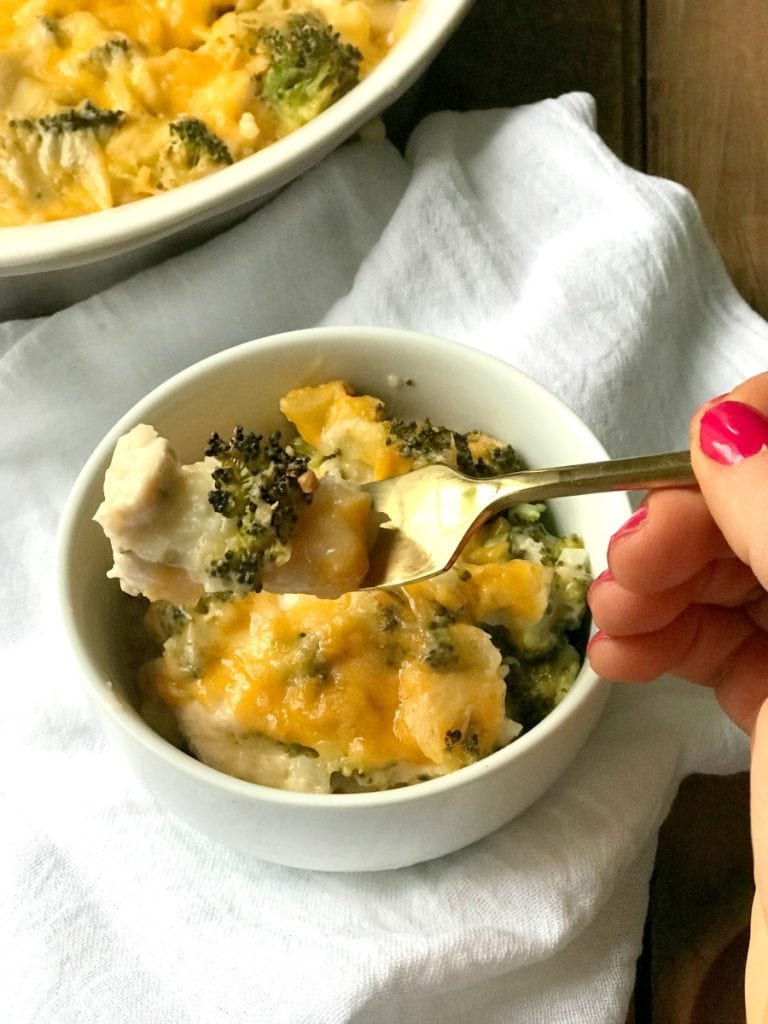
685,591
759,808
729,451
623,612
718,647
677,531
670,539
756,977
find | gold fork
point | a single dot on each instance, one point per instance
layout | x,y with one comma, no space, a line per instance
424,518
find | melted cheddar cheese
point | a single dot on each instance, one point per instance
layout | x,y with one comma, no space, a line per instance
370,689
356,679
92,92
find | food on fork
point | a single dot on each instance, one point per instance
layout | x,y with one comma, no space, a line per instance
271,665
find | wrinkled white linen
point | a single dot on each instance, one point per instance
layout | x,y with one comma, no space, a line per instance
518,232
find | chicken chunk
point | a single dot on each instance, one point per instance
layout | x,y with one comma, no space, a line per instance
166,536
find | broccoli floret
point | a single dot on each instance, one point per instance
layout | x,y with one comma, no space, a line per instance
497,460
423,442
164,619
86,117
426,443
455,740
51,31
528,530
389,619
534,688
107,53
566,605
309,69
548,546
441,655
257,483
528,538
194,143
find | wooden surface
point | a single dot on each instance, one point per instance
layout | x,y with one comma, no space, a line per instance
700,904
707,95
682,91
509,52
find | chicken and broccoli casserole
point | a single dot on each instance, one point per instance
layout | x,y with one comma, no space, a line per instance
103,103
271,665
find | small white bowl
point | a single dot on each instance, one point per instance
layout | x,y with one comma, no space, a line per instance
46,266
453,385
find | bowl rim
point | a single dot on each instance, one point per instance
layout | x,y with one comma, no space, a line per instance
129,719
77,241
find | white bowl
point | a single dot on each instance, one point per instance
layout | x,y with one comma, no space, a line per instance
44,267
453,385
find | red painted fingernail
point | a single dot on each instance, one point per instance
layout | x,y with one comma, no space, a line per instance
731,432
596,638
606,576
632,523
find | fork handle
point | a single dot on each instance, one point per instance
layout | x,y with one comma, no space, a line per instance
642,472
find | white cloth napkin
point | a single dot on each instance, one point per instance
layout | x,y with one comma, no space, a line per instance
518,232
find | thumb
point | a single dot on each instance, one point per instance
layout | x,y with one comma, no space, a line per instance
757,977
729,451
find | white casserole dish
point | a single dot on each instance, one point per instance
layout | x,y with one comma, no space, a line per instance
44,267
454,385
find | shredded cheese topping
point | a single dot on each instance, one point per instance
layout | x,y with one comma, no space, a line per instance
103,103
369,689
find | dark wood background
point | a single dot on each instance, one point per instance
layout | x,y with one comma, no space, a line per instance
682,91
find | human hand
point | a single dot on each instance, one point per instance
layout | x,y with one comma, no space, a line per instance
685,592
685,588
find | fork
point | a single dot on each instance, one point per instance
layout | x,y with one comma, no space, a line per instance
425,517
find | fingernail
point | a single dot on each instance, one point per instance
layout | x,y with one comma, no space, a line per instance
635,520
596,638
606,576
731,432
